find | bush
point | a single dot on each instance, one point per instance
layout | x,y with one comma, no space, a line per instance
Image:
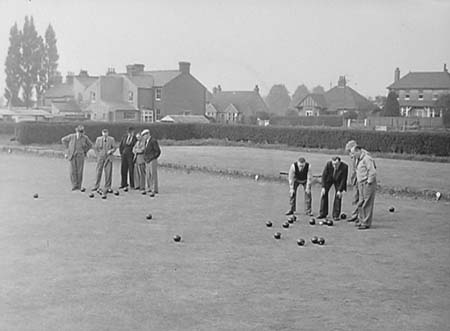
430,143
7,128
328,120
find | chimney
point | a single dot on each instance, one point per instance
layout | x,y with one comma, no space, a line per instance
219,88
214,90
111,71
134,69
184,67
69,77
83,73
397,75
256,89
445,67
342,82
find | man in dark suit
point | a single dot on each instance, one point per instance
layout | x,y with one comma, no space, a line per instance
335,173
77,144
104,147
126,153
151,154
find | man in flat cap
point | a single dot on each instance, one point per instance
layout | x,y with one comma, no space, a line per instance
105,146
77,144
151,154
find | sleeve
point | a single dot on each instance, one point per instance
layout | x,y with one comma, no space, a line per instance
158,150
309,177
114,147
121,146
353,171
291,176
371,171
343,184
65,140
324,175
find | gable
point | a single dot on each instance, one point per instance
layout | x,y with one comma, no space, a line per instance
423,80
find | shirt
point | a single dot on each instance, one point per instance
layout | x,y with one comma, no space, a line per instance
291,176
365,169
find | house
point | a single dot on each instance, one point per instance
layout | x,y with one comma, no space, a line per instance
145,96
235,106
185,119
418,91
339,100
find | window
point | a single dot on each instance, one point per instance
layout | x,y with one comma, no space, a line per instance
93,96
435,96
158,114
129,115
420,96
309,113
158,93
147,116
130,96
406,96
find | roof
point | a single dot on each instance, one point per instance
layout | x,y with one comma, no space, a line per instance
86,80
210,108
142,81
162,77
318,98
185,119
67,106
346,98
59,91
246,102
111,88
423,80
6,112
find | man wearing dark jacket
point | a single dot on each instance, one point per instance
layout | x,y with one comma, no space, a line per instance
335,173
151,154
126,153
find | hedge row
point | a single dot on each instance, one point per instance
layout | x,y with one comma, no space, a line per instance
329,120
7,127
430,143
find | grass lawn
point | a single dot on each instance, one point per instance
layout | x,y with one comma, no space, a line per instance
74,263
417,175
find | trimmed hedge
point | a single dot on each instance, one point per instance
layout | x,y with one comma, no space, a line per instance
7,127
328,120
431,143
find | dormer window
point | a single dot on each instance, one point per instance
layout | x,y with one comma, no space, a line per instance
406,96
420,96
130,96
93,96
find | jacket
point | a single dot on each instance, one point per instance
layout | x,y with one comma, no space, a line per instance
70,140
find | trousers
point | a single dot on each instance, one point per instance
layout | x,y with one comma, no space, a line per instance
366,202
308,198
151,175
104,164
76,170
337,203
127,169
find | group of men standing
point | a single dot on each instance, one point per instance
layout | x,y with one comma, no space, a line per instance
335,173
139,159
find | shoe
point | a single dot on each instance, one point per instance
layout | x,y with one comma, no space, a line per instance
123,186
136,188
143,193
109,191
321,217
151,194
74,188
309,214
289,213
353,219
94,189
363,227
357,223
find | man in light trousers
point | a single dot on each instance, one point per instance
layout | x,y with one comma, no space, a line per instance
105,146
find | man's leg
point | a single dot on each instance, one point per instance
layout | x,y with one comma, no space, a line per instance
141,170
131,169
361,190
337,204
293,198
148,176
73,172
123,171
367,207
136,176
308,200
99,171
323,211
154,167
108,174
355,201
80,169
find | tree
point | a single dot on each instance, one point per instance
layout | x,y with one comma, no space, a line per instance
32,48
12,67
392,107
443,106
301,92
318,90
278,99
51,57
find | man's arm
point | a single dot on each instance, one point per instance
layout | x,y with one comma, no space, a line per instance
343,183
309,179
122,145
371,171
291,175
65,140
113,146
157,149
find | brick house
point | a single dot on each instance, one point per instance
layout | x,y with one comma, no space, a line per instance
418,91
235,106
339,100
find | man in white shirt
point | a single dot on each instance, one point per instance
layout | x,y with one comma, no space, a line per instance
300,174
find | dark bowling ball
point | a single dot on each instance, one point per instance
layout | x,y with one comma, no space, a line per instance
82,189
104,196
126,189
321,241
149,216
291,220
176,238
312,221
301,242
268,224
143,193
91,195
343,216
285,225
391,209
277,235
36,196
314,239
330,222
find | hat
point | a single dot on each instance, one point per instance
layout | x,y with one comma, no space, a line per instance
350,144
146,131
79,128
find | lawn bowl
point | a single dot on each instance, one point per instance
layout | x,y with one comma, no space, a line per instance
321,241
91,195
149,216
343,216
277,235
269,224
312,221
176,238
391,209
314,239
116,193
83,189
285,225
36,196
301,242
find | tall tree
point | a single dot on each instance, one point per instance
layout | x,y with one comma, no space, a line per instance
392,107
443,106
318,89
301,92
278,99
32,47
12,67
51,57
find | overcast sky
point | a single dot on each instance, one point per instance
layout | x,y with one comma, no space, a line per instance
240,43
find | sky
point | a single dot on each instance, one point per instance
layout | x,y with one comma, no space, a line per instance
241,43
